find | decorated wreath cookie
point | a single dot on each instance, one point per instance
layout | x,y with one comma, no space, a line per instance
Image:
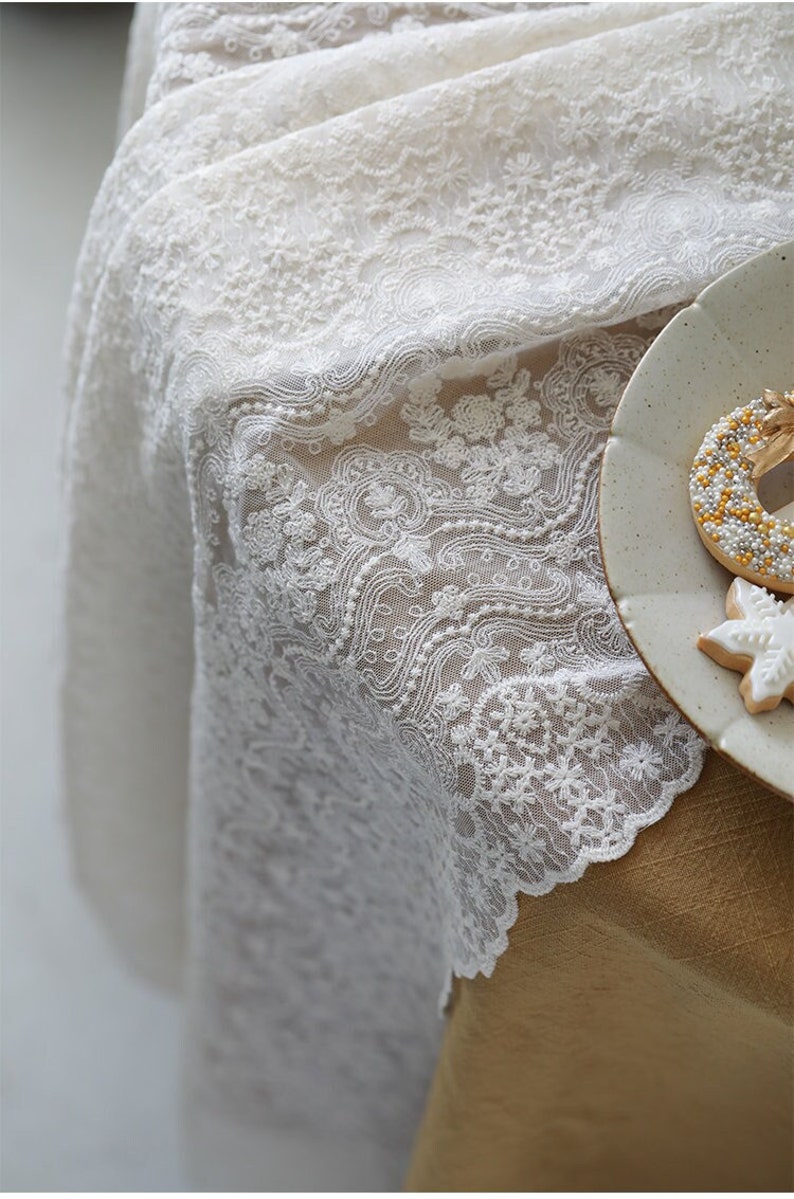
734,525
758,640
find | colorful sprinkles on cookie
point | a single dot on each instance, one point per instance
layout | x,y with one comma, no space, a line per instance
730,518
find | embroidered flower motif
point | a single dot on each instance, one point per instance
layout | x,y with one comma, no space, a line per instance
450,452
521,410
379,497
301,526
598,744
340,427
460,736
528,845
265,534
415,551
384,502
525,716
538,657
595,819
452,702
606,384
477,418
564,777
287,522
493,436
257,472
484,662
514,465
448,602
641,762
565,548
519,713
668,729
491,749
524,171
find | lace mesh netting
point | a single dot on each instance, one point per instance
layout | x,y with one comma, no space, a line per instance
350,323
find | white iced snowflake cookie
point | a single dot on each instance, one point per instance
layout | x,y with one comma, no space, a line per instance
758,640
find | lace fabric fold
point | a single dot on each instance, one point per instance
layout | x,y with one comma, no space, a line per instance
348,332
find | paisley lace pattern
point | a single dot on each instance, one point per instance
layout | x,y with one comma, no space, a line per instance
348,333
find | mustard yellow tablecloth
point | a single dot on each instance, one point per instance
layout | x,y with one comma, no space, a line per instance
637,1032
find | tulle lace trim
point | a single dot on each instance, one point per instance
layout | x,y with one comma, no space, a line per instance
349,329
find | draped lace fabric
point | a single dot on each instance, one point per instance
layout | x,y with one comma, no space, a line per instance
358,297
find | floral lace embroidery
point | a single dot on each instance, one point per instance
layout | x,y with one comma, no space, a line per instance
424,700
341,372
204,41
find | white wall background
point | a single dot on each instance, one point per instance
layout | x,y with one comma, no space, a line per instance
90,1057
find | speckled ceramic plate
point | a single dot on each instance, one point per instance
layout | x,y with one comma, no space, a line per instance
736,339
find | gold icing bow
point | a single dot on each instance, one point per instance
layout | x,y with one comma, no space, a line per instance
777,433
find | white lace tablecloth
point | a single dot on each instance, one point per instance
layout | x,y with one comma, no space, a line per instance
358,297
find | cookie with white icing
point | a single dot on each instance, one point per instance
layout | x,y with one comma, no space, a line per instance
757,640
732,522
